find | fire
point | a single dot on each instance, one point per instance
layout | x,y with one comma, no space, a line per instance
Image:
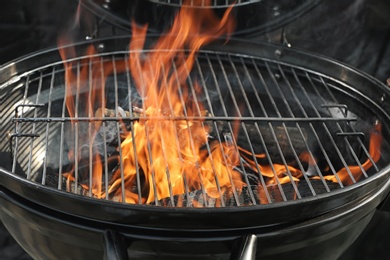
169,153
356,171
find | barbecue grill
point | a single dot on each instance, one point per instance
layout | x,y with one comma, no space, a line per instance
285,103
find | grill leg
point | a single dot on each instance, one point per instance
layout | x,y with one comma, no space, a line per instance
247,249
114,246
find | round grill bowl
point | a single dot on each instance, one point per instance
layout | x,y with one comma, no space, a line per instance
316,216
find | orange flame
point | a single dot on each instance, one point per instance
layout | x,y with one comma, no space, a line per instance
356,170
167,151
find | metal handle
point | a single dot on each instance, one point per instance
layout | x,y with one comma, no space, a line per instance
247,248
114,246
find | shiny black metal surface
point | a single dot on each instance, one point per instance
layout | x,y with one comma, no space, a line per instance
56,231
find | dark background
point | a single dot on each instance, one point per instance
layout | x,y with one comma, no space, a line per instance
356,32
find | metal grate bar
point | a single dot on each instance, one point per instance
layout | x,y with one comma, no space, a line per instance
33,131
262,80
17,128
363,147
313,128
118,131
129,88
293,149
105,151
269,102
189,131
212,70
317,138
347,141
319,142
208,99
179,118
349,145
351,149
198,110
62,139
91,136
149,144
203,3
302,110
163,151
239,114
268,90
328,131
236,74
262,181
14,151
76,129
47,126
165,73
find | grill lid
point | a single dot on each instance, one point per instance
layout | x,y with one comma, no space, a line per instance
282,108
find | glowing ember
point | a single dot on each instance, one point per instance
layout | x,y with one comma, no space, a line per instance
164,149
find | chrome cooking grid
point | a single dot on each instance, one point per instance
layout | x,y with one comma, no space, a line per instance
203,3
282,110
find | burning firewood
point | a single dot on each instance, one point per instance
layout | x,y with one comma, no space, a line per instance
106,112
290,139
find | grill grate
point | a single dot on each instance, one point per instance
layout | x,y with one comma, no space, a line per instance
203,3
282,112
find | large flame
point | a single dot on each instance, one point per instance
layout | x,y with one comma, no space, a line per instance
163,145
169,152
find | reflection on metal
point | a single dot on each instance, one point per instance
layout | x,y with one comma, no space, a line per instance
248,248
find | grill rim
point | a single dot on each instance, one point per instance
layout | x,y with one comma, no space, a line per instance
240,3
332,200
164,218
13,71
347,219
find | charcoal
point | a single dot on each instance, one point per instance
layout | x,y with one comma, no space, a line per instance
318,187
197,199
252,135
289,191
108,131
52,180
